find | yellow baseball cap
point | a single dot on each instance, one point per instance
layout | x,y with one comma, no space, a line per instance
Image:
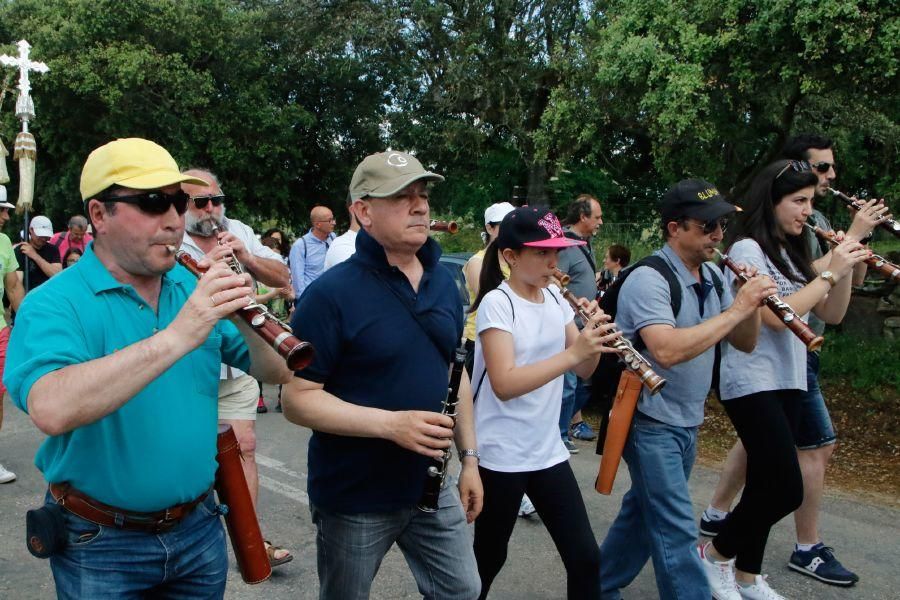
131,162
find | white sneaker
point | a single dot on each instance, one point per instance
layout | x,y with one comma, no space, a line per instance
760,590
720,576
6,476
526,508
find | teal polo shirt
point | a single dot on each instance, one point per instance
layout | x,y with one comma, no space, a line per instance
159,448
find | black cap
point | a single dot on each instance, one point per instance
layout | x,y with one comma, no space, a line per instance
535,227
694,198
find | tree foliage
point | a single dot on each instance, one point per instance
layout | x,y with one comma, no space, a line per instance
619,98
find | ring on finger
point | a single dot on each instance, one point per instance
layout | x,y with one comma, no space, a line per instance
213,299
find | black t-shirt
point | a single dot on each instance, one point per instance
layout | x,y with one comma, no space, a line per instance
36,276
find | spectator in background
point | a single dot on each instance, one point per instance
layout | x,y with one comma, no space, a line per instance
345,245
284,246
9,282
43,257
77,236
71,257
307,258
616,258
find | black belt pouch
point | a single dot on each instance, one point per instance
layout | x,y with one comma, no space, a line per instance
45,530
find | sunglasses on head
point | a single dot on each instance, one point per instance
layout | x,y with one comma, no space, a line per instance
201,201
154,203
822,166
797,166
709,227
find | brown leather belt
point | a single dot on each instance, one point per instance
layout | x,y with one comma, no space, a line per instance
87,508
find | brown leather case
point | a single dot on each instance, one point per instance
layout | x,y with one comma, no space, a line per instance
620,416
243,527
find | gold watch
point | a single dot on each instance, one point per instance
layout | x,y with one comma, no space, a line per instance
829,277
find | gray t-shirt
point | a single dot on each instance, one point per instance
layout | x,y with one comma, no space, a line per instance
645,300
779,360
574,262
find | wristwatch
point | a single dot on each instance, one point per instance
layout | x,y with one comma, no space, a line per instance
829,277
470,452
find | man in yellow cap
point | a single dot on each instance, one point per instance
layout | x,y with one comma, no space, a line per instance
116,360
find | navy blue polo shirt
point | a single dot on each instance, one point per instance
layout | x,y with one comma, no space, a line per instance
370,351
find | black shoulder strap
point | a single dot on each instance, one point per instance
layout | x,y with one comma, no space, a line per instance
483,373
659,264
717,282
574,236
60,239
409,308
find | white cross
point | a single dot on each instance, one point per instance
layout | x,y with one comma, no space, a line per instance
24,65
24,106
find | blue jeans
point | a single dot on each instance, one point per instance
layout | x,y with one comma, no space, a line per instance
188,561
814,428
576,394
657,518
437,547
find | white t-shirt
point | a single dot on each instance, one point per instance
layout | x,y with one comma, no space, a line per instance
521,434
779,360
342,248
244,233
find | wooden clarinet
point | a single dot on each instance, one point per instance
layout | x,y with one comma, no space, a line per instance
888,224
633,359
781,309
448,226
879,263
437,469
297,353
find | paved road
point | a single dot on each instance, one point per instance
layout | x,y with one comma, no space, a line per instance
866,536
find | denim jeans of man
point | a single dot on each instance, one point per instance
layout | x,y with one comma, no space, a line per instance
576,393
657,518
437,546
187,562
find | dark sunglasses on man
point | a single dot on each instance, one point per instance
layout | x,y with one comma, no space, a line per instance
201,201
154,203
822,166
709,227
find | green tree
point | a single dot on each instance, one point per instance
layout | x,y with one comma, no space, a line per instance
657,91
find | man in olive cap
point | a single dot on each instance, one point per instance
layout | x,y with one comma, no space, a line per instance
385,323
116,360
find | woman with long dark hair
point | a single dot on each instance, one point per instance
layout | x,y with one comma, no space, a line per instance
760,390
527,339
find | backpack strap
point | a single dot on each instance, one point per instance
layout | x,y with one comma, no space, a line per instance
574,236
483,373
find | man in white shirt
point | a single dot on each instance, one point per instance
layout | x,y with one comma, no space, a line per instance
344,246
208,233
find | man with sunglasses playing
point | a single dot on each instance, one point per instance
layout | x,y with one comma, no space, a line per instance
208,233
657,516
115,359
816,435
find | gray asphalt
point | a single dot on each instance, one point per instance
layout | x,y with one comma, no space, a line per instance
865,536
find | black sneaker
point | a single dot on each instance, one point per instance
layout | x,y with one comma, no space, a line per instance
709,527
819,562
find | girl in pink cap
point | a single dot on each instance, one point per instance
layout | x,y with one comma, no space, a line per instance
526,340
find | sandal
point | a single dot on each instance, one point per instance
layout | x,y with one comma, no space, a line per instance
272,550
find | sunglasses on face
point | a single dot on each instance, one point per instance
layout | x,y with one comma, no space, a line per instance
709,227
822,167
201,201
798,166
155,203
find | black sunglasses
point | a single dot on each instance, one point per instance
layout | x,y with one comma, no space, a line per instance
201,201
822,167
154,203
798,166
710,226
